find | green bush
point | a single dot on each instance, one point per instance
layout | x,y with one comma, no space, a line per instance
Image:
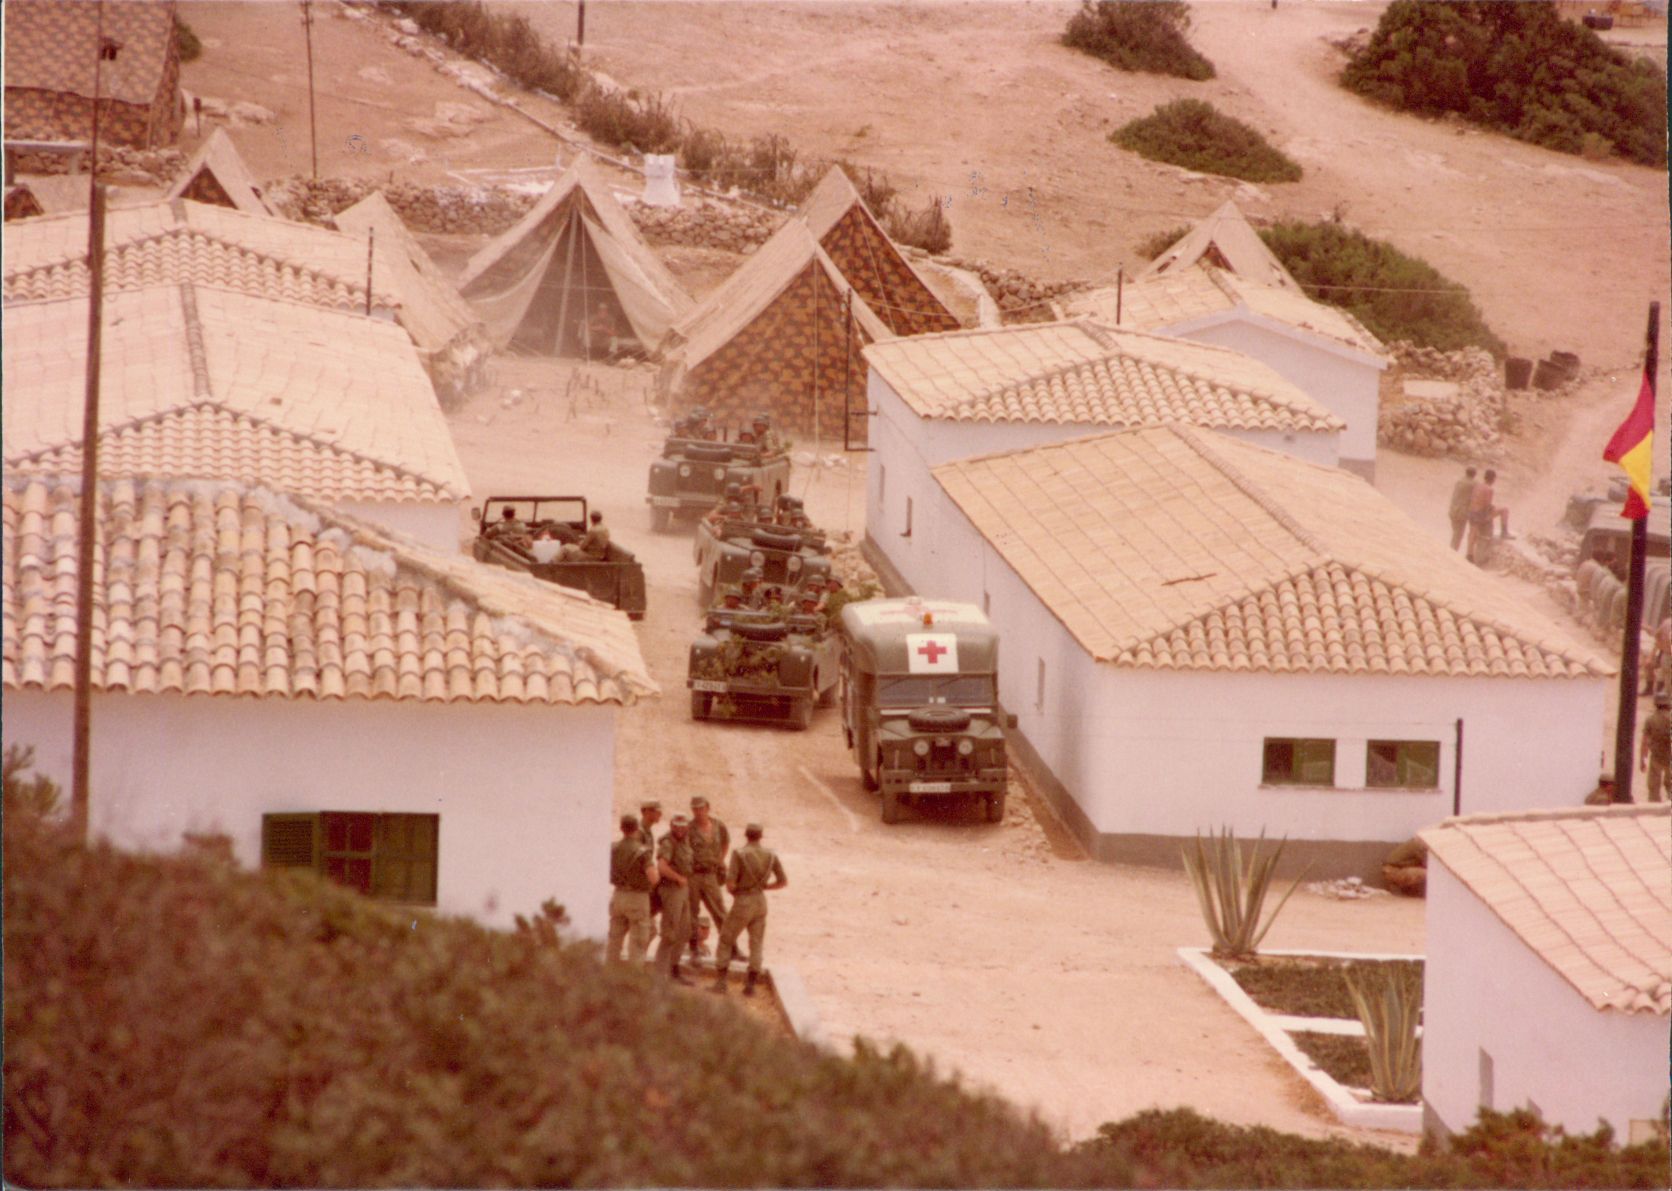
624,121
186,40
1153,245
505,41
1197,136
1395,295
1517,67
1144,35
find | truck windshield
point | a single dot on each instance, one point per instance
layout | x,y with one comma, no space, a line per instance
960,690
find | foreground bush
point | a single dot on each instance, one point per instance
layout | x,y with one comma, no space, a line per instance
1395,295
1145,35
1197,136
1515,66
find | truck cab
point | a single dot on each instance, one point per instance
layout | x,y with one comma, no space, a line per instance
920,707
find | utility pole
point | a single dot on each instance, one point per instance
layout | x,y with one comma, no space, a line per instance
1625,726
313,129
580,24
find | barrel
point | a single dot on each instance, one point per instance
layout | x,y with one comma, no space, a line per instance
1517,371
1547,375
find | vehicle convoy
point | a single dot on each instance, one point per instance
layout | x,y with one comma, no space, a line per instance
920,704
763,667
544,536
786,558
692,474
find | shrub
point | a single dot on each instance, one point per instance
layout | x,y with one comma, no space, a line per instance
186,40
624,121
505,41
1518,68
1145,35
1390,1007
1395,295
1153,245
1197,136
1232,895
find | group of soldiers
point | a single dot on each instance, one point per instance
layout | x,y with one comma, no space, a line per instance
699,424
594,545
673,879
753,593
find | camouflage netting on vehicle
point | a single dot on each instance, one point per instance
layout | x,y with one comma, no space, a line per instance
742,661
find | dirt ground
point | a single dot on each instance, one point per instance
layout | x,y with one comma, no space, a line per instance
1047,978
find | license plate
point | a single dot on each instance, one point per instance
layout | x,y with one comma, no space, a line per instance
664,501
930,788
708,684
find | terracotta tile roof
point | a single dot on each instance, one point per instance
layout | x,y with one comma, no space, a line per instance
1088,374
1588,889
218,589
1173,548
1226,239
290,376
50,47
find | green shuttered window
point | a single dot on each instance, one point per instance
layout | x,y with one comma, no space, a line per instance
1299,762
389,857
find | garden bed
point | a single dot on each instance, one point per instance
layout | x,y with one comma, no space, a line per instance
1308,985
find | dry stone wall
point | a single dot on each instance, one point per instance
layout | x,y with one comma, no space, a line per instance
1466,423
1021,299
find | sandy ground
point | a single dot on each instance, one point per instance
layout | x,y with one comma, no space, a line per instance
1050,979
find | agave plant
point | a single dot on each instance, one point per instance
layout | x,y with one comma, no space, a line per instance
1390,1006
1232,894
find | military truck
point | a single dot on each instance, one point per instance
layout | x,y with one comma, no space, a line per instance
616,580
920,703
762,667
786,558
692,474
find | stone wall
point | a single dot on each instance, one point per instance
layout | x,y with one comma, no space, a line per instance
1021,299
1465,424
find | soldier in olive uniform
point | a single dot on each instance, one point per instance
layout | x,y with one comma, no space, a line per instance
650,814
633,874
710,842
674,862
754,869
1656,752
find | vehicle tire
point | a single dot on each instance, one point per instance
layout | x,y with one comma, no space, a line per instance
700,701
827,695
871,774
890,807
661,519
995,807
801,713
939,718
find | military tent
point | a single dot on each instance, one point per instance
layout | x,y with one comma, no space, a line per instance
784,334
541,285
1226,240
216,174
851,236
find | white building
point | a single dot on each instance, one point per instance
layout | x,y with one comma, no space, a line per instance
963,394
1323,350
410,723
218,384
1201,632
1548,982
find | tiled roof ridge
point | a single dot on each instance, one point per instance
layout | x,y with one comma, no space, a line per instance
196,352
1083,324
1621,811
1199,441
211,403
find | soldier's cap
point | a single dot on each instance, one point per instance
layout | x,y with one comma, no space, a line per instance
698,800
650,804
629,822
754,831
679,821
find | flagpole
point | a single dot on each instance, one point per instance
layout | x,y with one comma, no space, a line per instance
1625,728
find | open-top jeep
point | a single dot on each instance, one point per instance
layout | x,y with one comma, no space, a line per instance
532,540
760,666
920,702
692,474
786,558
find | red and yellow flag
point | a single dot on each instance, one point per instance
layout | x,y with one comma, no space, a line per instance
1632,447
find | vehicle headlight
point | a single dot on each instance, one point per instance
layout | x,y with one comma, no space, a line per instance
719,473
921,748
684,471
966,747
757,559
793,565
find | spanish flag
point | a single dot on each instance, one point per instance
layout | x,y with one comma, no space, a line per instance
1632,447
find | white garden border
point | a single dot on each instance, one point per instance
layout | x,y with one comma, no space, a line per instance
1348,1107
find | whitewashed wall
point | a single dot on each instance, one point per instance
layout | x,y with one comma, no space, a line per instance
524,793
440,526
1343,381
1485,990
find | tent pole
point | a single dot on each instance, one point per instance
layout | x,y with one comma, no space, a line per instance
563,300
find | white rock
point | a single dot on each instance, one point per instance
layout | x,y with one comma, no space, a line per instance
804,458
407,25
245,112
376,74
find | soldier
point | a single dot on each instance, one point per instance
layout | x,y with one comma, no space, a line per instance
675,863
633,874
764,434
753,871
709,843
1461,492
1656,752
650,814
731,602
595,543
509,525
750,588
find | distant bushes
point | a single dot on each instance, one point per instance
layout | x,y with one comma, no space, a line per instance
767,167
1154,244
1395,295
1144,35
1515,66
1196,135
187,41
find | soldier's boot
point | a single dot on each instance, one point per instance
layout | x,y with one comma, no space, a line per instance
719,985
677,976
749,984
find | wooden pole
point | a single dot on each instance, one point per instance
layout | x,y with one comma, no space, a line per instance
371,241
313,129
580,24
1625,727
87,523
1120,290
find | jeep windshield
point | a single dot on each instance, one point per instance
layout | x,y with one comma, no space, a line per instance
916,690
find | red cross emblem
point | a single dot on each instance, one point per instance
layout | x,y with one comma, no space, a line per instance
932,650
932,653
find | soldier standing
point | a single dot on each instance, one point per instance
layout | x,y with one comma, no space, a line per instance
633,875
709,843
1656,752
674,862
650,814
753,871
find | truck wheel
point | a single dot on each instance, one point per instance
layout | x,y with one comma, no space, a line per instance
801,713
699,704
890,807
871,774
995,807
661,519
827,696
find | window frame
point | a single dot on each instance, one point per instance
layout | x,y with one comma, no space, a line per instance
1369,756
1267,777
383,853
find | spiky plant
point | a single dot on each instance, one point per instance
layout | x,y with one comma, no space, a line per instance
1389,1003
1232,893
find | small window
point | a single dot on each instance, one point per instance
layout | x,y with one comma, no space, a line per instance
108,49
1402,764
388,857
907,534
1039,692
1487,1078
1293,761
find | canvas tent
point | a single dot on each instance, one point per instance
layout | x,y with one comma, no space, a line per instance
540,285
1226,240
216,174
851,236
784,333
